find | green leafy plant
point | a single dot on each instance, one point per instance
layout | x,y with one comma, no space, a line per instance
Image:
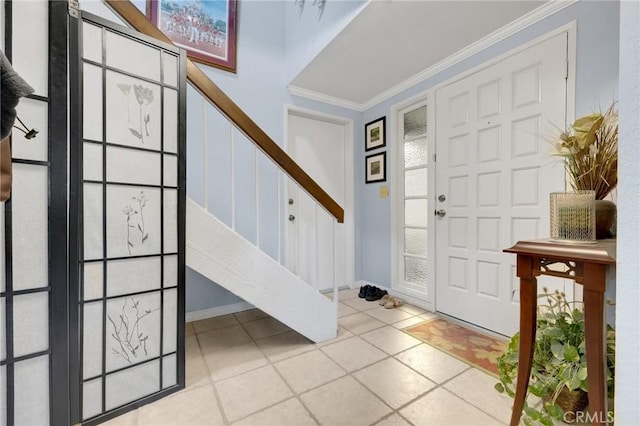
559,359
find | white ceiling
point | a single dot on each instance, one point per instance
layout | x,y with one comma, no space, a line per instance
392,41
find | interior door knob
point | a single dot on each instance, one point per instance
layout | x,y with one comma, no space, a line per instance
441,213
291,218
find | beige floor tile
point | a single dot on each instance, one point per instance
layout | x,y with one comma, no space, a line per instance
265,327
390,340
192,347
347,294
250,392
222,338
354,353
328,295
196,372
343,334
442,408
189,407
413,310
288,413
477,388
393,382
388,316
234,360
344,402
189,330
344,310
359,323
285,345
128,419
250,315
309,370
429,316
408,322
214,323
361,304
432,363
394,420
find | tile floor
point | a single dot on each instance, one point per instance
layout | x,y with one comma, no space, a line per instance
249,369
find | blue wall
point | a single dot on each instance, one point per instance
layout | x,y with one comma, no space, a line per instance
596,85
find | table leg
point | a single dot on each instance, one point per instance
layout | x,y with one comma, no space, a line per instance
528,307
594,325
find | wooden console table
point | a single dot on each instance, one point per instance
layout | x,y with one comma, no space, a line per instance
586,265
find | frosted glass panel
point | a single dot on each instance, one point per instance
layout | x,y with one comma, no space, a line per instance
3,395
415,183
3,346
133,166
133,56
92,161
170,271
170,170
30,226
91,42
170,120
415,153
170,69
170,220
133,111
34,114
92,102
92,221
415,241
31,24
169,370
91,398
131,384
92,340
93,280
170,314
415,122
415,213
133,330
415,270
30,323
31,391
133,221
132,275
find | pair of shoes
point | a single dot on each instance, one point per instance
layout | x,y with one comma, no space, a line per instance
374,293
363,291
392,302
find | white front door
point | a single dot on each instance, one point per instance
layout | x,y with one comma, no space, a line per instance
494,172
316,244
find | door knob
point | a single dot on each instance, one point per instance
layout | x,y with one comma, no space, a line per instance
441,212
291,218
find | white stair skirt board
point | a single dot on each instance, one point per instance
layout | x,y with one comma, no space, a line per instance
217,311
217,252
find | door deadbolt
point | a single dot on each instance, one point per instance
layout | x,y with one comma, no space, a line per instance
290,201
441,198
441,213
291,218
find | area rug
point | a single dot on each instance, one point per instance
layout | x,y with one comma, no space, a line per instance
476,349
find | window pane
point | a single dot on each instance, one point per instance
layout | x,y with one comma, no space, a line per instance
415,183
415,122
415,241
415,213
415,270
415,153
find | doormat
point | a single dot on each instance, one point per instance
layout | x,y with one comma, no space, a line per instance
476,349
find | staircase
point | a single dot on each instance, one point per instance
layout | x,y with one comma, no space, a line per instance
218,252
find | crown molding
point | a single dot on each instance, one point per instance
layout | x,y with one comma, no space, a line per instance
549,8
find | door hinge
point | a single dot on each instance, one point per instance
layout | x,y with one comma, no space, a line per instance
434,157
566,70
74,8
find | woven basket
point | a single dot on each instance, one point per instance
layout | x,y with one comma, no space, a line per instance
571,402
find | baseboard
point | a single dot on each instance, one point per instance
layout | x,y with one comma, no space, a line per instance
412,300
218,311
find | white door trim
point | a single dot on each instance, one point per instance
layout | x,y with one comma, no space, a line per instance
349,213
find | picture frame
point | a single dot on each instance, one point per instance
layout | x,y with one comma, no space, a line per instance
375,134
376,168
206,29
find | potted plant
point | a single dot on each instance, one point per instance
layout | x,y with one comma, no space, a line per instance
558,371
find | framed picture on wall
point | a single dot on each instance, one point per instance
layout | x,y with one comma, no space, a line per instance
376,168
206,29
374,134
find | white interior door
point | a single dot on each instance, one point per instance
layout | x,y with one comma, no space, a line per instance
494,169
316,243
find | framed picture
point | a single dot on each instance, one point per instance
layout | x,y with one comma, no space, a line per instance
374,132
205,28
376,169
